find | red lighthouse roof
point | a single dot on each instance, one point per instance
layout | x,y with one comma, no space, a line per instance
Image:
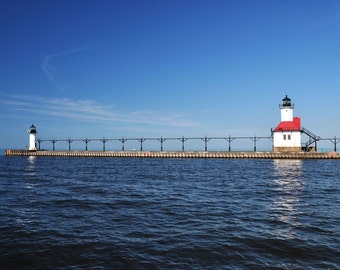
294,125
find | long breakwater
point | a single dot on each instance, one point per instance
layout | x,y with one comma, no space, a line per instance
178,154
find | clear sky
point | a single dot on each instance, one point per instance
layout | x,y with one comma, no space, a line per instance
109,69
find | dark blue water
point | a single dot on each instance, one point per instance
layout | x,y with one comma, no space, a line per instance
112,213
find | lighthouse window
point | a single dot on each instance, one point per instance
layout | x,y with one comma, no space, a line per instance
289,137
284,137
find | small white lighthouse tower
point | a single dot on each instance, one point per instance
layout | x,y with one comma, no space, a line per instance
286,109
287,135
32,141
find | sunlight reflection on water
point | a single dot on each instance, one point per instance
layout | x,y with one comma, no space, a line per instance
288,189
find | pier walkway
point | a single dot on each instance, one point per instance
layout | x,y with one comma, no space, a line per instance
178,154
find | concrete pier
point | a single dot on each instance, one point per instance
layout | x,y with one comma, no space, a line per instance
178,154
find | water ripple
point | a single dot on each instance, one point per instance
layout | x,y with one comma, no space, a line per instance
103,213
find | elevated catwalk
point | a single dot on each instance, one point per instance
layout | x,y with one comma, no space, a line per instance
178,154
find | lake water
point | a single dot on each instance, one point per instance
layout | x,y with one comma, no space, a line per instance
113,213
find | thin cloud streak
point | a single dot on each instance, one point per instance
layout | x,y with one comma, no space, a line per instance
14,103
48,68
87,110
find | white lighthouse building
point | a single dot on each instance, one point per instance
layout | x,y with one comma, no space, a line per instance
32,140
287,135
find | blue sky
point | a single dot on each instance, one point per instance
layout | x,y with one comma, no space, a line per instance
166,68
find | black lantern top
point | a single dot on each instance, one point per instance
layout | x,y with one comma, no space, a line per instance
286,102
32,129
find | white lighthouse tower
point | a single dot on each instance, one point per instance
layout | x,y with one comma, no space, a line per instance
32,141
287,135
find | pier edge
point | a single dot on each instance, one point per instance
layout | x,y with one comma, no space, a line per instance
178,154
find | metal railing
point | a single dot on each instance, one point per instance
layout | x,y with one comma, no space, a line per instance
229,139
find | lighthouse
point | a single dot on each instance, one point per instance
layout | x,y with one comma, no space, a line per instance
32,140
287,135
